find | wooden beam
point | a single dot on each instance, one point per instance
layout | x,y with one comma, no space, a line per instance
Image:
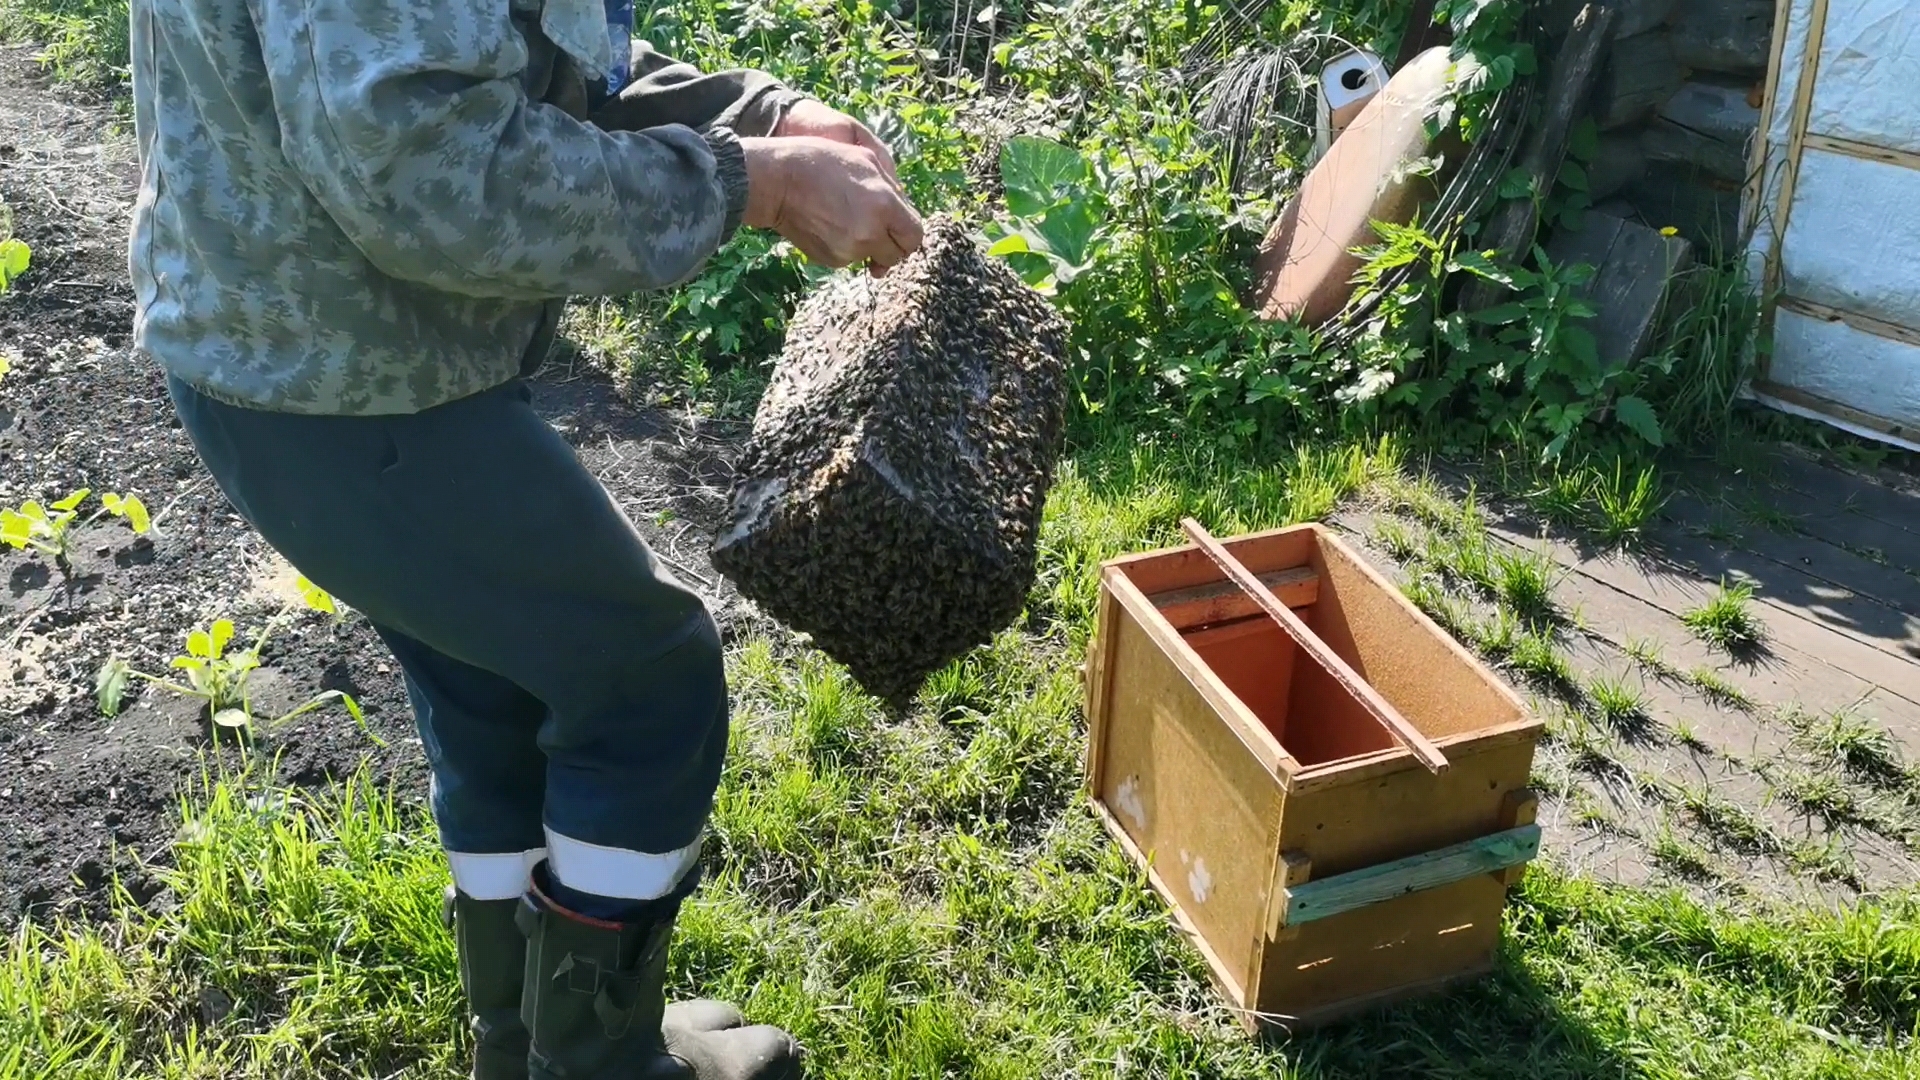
1906,159
1790,168
1332,896
1757,167
1866,324
1382,710
1222,601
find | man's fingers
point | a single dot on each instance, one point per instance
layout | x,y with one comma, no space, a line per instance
885,156
905,229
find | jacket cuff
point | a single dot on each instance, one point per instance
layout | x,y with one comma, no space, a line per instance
730,166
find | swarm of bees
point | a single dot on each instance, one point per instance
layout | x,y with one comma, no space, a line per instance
888,502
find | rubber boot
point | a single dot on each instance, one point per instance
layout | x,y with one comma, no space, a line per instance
493,958
595,1003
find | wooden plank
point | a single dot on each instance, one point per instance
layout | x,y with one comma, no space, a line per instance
1402,946
1383,712
1705,126
1631,17
1520,808
1166,569
1514,223
1814,407
1801,669
1224,601
1641,75
1231,712
1906,159
1224,977
1431,678
1866,324
1860,555
1337,895
1790,166
1845,492
1635,268
1350,1008
1291,871
1364,818
1184,786
1727,36
1099,684
1762,149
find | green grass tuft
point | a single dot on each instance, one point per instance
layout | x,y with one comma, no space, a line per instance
1727,620
1620,706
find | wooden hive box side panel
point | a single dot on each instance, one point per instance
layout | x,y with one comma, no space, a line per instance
1434,682
1189,795
1324,970
1355,816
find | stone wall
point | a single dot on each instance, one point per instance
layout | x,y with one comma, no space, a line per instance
1678,105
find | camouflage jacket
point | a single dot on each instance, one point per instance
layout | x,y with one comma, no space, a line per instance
378,206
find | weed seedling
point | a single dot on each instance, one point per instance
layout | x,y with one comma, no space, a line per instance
1726,621
1717,689
49,530
1733,825
1535,655
1524,582
217,676
1627,504
1823,795
1645,651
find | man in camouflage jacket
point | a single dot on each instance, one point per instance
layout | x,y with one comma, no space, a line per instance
357,226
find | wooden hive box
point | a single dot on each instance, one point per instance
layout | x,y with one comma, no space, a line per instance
1318,863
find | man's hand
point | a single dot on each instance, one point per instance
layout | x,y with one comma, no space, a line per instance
835,201
809,118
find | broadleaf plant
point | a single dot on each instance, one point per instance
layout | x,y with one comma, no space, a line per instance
50,530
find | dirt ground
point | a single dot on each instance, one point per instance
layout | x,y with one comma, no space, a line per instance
86,800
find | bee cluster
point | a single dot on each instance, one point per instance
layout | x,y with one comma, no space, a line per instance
888,501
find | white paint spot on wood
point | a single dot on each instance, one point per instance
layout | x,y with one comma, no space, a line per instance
1199,882
1128,799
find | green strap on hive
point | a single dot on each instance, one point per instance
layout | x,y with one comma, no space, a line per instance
1416,873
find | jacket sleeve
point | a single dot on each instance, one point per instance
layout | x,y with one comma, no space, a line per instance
667,91
408,121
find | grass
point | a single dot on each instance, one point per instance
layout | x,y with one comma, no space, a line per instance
930,897
1620,706
1679,856
83,41
1727,620
1856,744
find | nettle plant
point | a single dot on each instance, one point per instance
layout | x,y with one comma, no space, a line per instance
50,529
220,676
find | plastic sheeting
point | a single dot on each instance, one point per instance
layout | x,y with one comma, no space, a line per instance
1852,240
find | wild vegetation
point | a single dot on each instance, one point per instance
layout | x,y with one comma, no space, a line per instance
929,897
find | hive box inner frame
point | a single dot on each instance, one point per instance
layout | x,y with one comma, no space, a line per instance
1292,711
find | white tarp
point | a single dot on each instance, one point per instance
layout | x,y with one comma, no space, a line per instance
1852,242
1853,239
1868,86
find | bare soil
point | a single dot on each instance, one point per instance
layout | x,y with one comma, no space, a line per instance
85,800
